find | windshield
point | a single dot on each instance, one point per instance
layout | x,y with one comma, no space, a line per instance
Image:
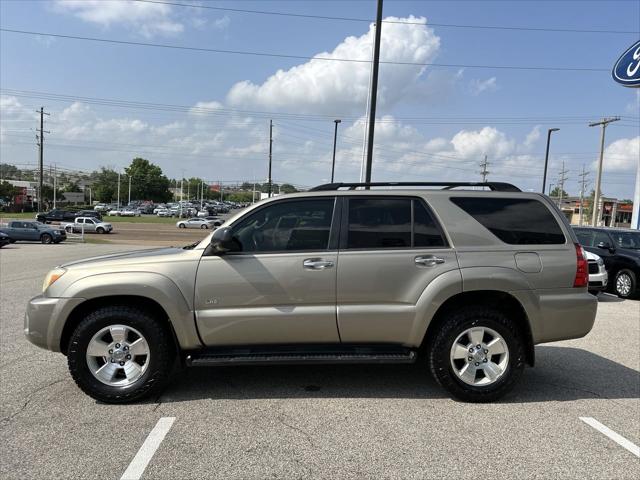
626,239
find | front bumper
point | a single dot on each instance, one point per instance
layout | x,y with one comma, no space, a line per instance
598,281
45,318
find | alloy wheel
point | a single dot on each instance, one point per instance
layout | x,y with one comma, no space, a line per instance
479,356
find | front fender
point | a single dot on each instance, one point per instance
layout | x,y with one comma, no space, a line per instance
153,286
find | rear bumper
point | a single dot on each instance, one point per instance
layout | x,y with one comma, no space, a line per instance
45,318
564,315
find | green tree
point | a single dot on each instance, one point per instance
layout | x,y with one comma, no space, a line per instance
147,181
8,191
288,188
556,193
71,187
10,171
105,185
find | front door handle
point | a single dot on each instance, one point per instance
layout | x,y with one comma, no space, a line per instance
317,264
428,261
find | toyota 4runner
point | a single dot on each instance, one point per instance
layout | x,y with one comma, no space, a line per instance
468,278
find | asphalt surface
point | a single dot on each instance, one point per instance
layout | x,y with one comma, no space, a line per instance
320,421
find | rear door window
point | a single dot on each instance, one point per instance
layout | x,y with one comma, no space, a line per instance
386,223
516,221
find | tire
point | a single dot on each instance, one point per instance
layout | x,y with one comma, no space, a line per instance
68,229
159,360
440,348
46,238
182,225
203,227
625,284
99,230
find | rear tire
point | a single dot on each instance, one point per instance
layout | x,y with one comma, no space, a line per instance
155,367
182,225
203,227
469,377
46,238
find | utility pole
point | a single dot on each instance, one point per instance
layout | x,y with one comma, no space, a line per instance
270,157
374,92
583,186
335,139
55,184
118,190
41,156
546,158
484,172
129,189
562,177
596,198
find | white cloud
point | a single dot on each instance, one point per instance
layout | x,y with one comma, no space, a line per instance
478,86
487,141
322,86
222,23
622,155
147,19
532,137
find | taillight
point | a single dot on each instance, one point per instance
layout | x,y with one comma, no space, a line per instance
582,268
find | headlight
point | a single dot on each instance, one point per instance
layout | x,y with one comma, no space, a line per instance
51,277
600,262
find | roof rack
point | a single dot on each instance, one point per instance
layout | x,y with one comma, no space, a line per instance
494,186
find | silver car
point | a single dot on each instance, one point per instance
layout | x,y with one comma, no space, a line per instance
469,280
202,223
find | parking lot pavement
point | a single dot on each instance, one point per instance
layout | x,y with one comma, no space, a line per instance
320,421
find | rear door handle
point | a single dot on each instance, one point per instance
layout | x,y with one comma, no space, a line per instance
317,264
428,261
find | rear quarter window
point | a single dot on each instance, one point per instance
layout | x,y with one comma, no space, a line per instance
516,221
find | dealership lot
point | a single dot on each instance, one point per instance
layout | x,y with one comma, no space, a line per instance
317,421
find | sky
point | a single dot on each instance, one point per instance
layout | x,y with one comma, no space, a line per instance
206,114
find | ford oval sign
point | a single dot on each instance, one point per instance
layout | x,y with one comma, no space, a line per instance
627,68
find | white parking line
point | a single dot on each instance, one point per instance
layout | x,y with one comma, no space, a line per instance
137,466
619,439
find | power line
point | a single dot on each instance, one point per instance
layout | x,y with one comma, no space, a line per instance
302,57
400,22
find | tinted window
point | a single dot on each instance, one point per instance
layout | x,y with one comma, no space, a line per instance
600,237
15,224
626,239
517,221
379,223
294,225
585,237
425,231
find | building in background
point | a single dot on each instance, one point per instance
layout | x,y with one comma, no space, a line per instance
613,212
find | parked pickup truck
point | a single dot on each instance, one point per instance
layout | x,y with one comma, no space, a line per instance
56,215
30,231
87,224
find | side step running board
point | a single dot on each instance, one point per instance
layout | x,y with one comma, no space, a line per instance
281,358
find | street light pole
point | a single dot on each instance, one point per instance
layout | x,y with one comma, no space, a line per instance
374,93
596,196
129,189
335,138
118,190
546,158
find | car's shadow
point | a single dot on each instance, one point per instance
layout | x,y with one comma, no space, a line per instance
560,374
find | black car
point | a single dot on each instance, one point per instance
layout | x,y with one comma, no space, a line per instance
620,250
89,213
57,215
4,239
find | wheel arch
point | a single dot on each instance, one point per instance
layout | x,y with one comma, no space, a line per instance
495,299
143,303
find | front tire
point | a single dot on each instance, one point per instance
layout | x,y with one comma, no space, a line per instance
477,354
46,238
100,230
120,354
625,284
204,227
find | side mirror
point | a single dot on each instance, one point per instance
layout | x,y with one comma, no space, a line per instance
605,246
222,240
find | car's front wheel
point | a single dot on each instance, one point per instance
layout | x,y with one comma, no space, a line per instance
120,354
203,227
99,230
46,238
625,284
477,354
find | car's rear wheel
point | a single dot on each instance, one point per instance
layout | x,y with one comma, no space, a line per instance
182,225
477,354
46,238
120,354
625,284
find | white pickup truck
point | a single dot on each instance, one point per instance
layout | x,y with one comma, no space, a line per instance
87,224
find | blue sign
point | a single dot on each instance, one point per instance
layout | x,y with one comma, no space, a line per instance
627,69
